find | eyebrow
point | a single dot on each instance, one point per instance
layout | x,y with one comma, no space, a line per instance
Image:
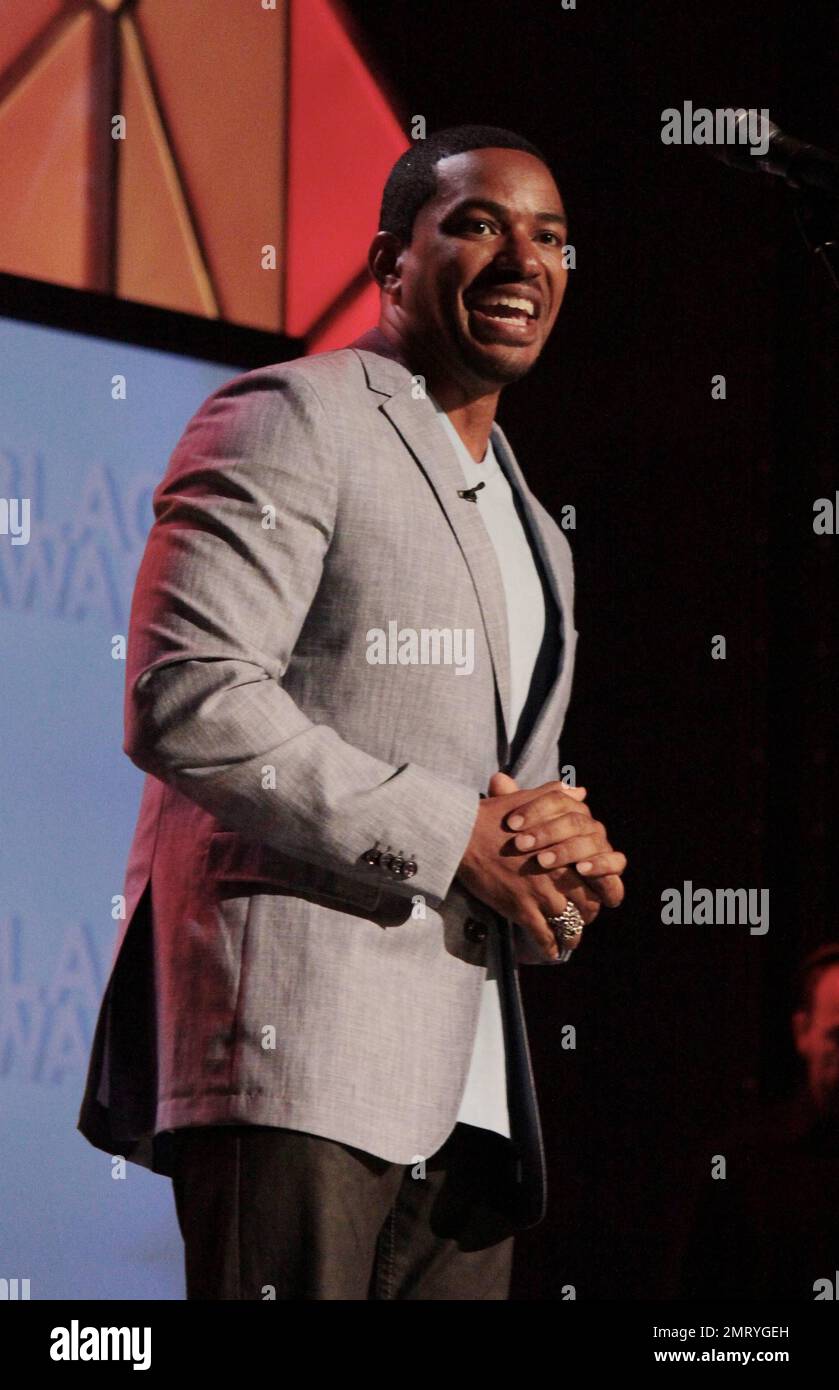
498,210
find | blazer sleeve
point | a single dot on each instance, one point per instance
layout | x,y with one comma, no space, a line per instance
243,521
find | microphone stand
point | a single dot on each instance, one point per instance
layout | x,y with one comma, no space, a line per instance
817,218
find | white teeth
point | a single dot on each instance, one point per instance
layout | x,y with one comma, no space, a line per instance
511,303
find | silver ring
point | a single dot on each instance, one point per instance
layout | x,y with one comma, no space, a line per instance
569,922
566,926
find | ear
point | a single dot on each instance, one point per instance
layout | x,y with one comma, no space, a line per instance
800,1028
383,260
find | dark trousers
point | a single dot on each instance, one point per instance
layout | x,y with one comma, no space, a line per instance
278,1213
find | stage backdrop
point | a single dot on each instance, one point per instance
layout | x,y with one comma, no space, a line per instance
86,429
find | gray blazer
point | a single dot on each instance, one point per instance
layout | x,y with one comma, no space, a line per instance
296,950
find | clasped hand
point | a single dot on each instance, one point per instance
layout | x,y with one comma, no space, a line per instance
534,849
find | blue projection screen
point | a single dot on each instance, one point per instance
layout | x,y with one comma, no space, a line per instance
79,457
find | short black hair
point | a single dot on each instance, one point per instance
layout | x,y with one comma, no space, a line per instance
811,970
413,178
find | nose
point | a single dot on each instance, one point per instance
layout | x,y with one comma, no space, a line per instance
517,253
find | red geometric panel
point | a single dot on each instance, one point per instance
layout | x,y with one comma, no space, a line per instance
355,319
343,139
246,127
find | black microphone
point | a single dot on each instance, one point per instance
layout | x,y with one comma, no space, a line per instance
470,493
800,164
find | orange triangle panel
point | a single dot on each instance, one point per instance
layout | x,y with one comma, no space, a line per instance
219,72
44,132
158,259
20,22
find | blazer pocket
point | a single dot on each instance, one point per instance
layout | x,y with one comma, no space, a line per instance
232,859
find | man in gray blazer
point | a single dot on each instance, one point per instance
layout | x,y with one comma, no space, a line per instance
350,655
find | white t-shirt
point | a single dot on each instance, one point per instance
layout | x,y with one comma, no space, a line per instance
484,1101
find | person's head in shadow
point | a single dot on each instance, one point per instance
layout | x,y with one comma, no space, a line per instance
815,1025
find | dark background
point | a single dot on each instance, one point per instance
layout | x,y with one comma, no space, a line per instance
694,518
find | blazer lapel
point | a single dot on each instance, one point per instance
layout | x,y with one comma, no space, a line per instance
417,423
560,586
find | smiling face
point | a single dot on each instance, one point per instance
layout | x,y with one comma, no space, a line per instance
477,290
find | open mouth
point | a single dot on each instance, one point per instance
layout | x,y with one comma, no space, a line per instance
510,315
510,308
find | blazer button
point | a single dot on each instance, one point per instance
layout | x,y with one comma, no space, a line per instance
475,930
